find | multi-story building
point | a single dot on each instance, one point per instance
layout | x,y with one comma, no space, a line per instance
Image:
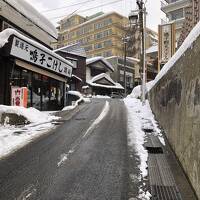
100,35
192,17
175,11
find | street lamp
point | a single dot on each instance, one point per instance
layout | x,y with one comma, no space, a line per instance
125,41
133,17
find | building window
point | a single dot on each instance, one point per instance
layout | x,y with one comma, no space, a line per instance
177,14
88,48
107,54
101,24
98,46
108,43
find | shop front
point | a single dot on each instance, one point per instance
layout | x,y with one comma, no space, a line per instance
25,63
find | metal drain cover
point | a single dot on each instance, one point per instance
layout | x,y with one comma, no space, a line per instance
154,150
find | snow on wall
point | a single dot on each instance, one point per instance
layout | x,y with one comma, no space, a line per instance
31,13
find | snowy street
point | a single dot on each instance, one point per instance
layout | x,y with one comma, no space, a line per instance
84,158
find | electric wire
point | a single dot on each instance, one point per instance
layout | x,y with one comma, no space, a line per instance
87,9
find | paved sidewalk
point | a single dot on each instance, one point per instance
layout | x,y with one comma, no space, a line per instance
165,176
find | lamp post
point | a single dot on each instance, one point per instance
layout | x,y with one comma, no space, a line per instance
133,17
125,41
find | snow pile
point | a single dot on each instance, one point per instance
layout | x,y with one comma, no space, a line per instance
12,137
81,98
101,97
188,43
136,92
140,117
31,114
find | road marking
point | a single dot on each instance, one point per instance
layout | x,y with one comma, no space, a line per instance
28,193
64,157
98,119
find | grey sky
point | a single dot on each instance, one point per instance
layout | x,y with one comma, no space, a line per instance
124,7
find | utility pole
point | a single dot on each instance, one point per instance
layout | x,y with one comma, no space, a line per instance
125,44
142,21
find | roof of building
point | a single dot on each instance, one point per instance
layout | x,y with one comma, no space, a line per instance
33,15
101,59
114,85
97,18
152,49
74,49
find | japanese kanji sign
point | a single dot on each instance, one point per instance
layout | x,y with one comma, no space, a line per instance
19,96
24,50
166,42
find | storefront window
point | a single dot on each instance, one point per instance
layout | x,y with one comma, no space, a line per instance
15,78
36,91
45,92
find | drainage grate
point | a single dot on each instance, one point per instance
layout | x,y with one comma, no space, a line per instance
81,118
160,192
148,130
154,150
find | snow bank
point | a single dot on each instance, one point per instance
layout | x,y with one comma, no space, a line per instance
101,97
81,98
140,117
13,138
188,43
136,92
31,114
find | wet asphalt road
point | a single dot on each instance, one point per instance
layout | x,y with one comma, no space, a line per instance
64,165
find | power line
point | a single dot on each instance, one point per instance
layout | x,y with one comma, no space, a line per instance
59,8
88,9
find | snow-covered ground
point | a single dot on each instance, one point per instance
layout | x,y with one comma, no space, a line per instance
140,117
13,138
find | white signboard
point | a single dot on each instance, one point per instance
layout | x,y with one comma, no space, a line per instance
166,42
22,49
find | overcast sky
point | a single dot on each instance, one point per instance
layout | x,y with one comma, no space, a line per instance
124,7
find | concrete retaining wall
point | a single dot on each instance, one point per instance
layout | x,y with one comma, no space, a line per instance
175,100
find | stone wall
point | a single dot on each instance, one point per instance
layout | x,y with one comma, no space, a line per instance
175,100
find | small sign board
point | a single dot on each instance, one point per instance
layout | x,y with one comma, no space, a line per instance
19,96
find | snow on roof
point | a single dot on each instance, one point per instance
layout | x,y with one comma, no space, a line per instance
133,59
77,77
99,58
33,15
188,43
97,18
103,75
76,93
152,49
74,49
5,34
